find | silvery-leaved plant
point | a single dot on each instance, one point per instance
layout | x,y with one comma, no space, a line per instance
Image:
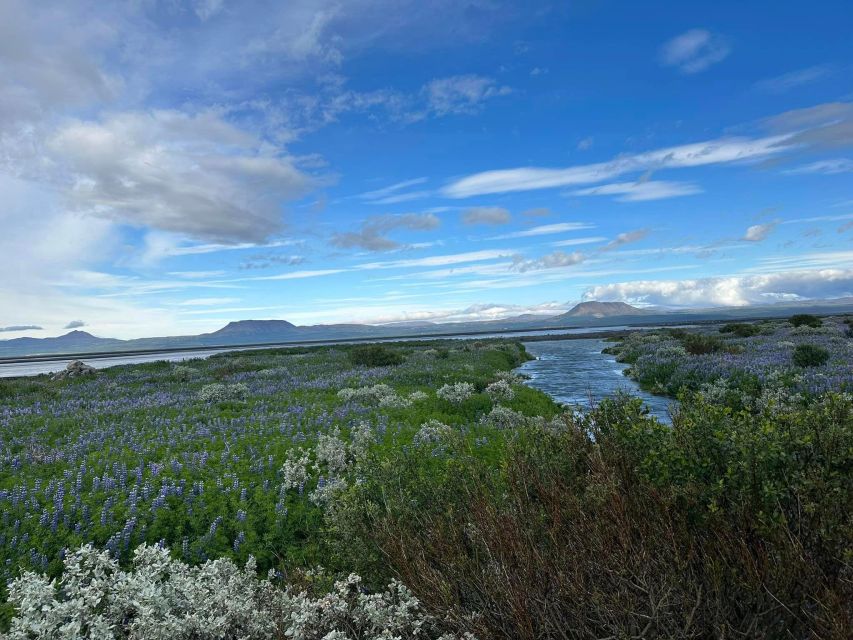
500,390
457,392
160,598
504,418
218,392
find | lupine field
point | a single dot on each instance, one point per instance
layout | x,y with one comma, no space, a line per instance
466,501
204,456
752,357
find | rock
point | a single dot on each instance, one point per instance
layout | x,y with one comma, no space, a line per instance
74,369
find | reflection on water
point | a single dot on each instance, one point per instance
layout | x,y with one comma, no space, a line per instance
575,372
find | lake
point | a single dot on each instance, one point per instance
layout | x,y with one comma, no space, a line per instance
575,372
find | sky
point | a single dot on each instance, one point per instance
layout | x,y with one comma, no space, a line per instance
168,166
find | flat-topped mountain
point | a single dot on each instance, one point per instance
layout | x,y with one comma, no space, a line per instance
595,309
254,328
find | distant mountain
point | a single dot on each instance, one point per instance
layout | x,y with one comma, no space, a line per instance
73,341
254,330
595,309
590,315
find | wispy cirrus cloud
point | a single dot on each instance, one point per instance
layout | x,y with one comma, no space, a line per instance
720,151
794,79
694,51
396,192
553,260
642,191
827,167
544,230
462,94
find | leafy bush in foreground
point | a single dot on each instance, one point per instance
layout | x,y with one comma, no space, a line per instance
726,524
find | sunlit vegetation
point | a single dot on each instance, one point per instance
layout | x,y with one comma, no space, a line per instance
433,466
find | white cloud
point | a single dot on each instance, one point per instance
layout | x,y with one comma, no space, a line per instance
721,151
626,238
545,229
694,50
485,215
738,290
462,94
379,195
759,232
438,261
573,242
828,167
372,235
194,175
554,260
641,191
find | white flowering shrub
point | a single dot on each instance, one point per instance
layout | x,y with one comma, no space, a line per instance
504,418
379,394
218,392
418,396
511,377
161,598
500,390
362,437
294,471
431,433
183,373
327,491
457,392
332,451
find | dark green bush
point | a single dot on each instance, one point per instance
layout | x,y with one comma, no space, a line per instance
810,355
805,320
375,355
740,329
698,344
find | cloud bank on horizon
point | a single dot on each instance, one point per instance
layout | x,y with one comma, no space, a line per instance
167,167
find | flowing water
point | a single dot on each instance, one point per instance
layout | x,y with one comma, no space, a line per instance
575,372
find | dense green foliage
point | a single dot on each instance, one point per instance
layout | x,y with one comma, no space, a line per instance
809,355
805,320
741,330
374,355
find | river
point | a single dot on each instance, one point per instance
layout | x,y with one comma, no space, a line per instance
575,372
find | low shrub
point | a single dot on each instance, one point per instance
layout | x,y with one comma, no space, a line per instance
740,329
805,320
810,355
375,355
701,344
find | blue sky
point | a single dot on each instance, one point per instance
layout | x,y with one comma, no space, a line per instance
166,167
